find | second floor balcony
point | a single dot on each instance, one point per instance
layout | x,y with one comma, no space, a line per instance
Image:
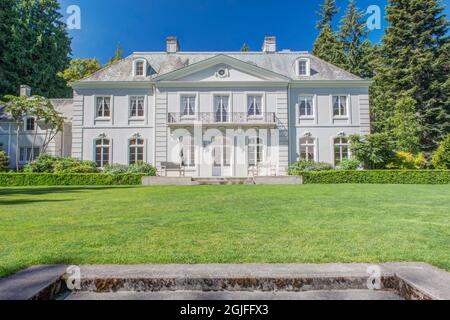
267,119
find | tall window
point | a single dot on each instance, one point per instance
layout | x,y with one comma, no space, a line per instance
307,149
254,105
28,154
30,124
103,107
255,151
306,106
137,107
102,150
221,107
136,150
303,68
221,152
341,150
188,105
339,106
139,68
187,151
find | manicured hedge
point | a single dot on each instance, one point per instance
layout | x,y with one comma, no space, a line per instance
68,179
378,177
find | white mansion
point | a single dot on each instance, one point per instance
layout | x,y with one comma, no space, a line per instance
214,114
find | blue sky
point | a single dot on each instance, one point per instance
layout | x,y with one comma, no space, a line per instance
200,25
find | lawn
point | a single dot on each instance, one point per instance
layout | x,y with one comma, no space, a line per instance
224,224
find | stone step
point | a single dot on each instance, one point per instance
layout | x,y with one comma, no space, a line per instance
222,181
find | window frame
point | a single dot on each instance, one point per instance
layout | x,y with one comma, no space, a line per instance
229,109
26,124
102,152
144,67
262,107
313,99
307,62
27,154
136,146
334,145
259,144
190,156
111,101
130,104
347,106
188,95
308,145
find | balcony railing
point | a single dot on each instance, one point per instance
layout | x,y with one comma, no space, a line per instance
222,118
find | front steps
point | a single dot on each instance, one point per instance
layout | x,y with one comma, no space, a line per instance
196,181
223,180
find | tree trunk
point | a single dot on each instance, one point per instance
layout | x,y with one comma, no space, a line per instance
34,141
17,146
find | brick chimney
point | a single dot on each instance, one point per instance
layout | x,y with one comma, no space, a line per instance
270,44
25,91
172,44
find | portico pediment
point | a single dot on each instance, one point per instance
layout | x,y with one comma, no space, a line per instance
222,68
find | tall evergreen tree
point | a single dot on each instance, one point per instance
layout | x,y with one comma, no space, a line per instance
7,19
327,46
413,61
328,11
357,48
118,55
38,50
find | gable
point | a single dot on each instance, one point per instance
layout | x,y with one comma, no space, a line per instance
222,68
230,74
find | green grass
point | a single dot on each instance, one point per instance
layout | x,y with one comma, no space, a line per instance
224,224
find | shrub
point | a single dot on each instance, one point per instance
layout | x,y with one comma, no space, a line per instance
374,151
139,167
50,164
408,161
349,164
4,161
304,165
69,179
377,177
441,157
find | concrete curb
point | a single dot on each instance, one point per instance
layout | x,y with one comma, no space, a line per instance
413,281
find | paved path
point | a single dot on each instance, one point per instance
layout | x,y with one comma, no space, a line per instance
240,295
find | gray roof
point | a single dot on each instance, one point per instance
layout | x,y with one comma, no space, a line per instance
161,63
62,105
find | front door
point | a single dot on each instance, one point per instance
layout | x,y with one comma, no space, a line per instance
221,155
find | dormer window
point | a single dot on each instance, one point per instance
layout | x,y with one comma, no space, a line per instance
303,67
140,68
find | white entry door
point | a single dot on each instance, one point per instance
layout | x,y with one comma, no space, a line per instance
221,155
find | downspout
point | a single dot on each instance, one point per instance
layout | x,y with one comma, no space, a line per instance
154,125
289,123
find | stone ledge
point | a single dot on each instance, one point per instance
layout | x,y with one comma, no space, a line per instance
410,280
35,283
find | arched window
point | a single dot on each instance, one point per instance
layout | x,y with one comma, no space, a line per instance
102,152
255,151
136,150
341,150
140,67
303,67
307,149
